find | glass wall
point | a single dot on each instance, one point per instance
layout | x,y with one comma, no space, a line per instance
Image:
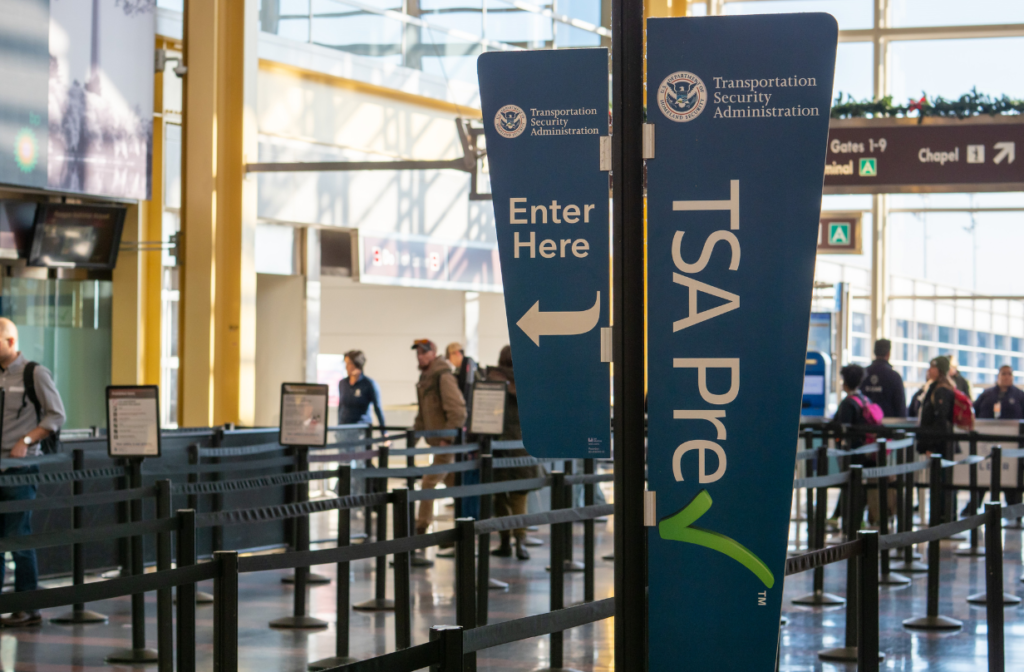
65,326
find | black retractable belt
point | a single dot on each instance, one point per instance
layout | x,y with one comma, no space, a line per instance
818,597
932,620
138,653
994,584
886,577
1008,599
78,613
299,618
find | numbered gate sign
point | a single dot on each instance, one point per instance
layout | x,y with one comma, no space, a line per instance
488,408
303,414
133,421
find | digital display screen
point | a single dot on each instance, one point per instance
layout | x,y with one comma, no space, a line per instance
814,385
76,236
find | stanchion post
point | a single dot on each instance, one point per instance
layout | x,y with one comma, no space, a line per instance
932,620
452,650
886,577
225,613
78,613
217,532
818,597
905,522
138,654
996,479
854,506
202,597
379,601
410,461
484,540
557,567
588,535
465,582
973,503
403,597
809,471
186,636
164,597
867,615
994,585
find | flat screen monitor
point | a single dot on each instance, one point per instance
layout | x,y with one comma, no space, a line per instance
76,236
17,219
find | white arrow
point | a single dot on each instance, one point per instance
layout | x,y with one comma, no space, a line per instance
1008,150
536,324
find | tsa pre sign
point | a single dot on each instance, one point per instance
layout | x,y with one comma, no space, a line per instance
740,107
545,113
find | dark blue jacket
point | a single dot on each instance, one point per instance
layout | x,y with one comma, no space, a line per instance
354,402
1011,403
884,386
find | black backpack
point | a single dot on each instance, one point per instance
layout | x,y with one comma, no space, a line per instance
50,444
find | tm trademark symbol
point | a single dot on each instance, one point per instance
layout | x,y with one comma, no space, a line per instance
762,599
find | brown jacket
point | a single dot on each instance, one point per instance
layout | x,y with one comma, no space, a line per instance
442,405
513,430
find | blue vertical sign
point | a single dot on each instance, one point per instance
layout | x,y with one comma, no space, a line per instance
740,107
545,113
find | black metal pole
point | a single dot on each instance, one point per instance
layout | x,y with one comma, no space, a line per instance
164,596
1008,599
995,492
867,615
932,620
379,601
818,597
138,654
557,565
886,577
909,564
809,470
402,568
854,507
186,635
465,582
78,613
972,506
225,619
628,346
452,650
217,534
994,586
588,536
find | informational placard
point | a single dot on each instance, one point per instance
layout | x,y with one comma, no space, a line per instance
133,421
872,156
303,414
546,120
488,408
839,233
740,107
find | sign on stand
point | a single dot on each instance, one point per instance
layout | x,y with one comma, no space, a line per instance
740,107
133,421
488,415
546,122
303,414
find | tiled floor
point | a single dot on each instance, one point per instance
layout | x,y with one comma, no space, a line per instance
56,648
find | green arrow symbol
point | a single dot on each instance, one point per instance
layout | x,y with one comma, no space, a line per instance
677,527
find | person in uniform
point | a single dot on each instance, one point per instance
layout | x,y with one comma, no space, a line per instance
1004,401
33,414
884,385
357,393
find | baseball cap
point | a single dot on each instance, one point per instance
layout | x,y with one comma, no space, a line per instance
942,364
424,345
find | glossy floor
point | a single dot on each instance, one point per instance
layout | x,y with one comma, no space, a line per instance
54,648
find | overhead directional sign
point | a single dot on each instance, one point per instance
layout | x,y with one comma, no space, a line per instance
896,155
839,233
733,198
546,118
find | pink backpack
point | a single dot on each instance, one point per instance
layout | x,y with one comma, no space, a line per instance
870,412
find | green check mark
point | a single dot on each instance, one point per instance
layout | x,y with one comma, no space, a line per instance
677,527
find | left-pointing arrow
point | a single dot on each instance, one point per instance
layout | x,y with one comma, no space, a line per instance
536,324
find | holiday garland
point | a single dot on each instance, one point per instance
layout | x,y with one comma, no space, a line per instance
968,105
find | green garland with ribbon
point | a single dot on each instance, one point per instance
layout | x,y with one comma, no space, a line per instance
971,104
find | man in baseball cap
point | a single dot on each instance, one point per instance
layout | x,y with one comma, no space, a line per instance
423,345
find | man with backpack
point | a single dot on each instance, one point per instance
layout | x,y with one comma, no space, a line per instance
32,417
441,406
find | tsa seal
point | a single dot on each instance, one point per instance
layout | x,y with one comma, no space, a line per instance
510,121
682,96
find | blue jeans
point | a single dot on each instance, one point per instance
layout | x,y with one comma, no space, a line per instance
19,524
